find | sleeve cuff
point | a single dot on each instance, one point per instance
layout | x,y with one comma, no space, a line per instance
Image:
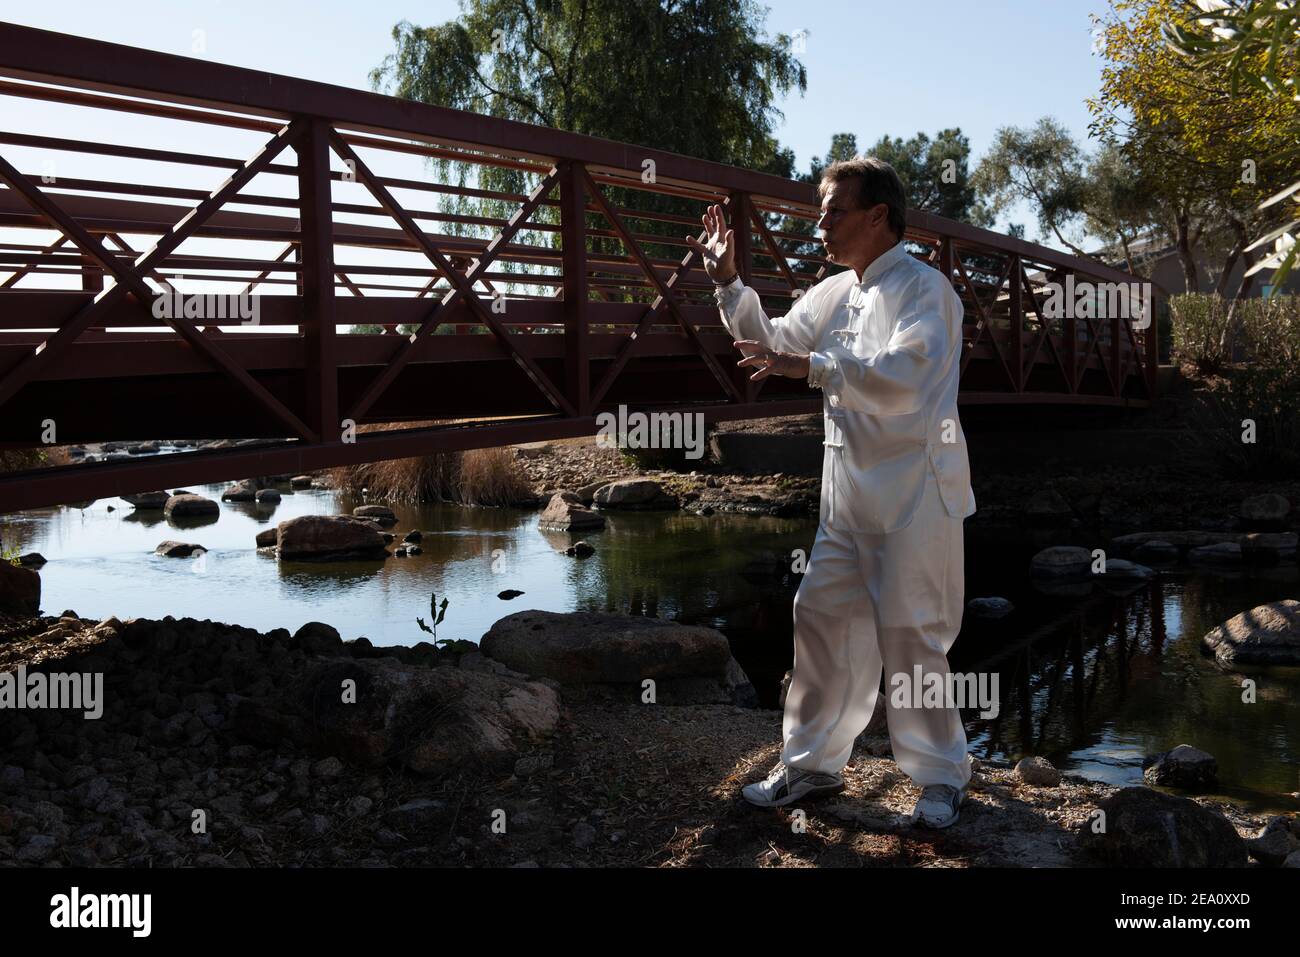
724,293
819,366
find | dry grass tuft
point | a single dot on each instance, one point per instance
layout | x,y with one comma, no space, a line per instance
476,477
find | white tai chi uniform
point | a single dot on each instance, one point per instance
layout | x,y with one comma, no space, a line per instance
884,583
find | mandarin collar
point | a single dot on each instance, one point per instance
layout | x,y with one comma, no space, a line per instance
878,266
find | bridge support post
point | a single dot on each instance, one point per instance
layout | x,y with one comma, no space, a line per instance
316,276
1017,304
577,342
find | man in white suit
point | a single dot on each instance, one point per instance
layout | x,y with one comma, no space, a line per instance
884,582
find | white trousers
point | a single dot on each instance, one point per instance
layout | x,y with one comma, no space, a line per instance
871,601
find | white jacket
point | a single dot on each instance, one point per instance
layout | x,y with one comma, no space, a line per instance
886,354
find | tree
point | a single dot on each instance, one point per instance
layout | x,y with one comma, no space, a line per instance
935,174
1208,149
685,76
1254,42
1042,166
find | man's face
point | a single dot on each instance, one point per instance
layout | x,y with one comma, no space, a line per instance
846,229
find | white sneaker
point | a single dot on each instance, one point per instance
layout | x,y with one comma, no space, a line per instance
783,785
938,806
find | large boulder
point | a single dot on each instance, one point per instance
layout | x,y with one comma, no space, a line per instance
1183,767
147,500
690,664
633,493
318,538
565,512
429,720
1266,635
190,506
20,590
1145,828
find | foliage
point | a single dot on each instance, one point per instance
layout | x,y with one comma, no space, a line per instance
1253,42
936,174
1265,390
699,79
1208,150
1199,322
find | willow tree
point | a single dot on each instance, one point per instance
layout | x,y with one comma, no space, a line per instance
686,76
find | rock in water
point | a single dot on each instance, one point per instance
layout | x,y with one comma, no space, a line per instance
243,491
380,513
1184,767
509,593
315,538
190,506
1266,635
171,549
1062,563
565,512
989,608
147,500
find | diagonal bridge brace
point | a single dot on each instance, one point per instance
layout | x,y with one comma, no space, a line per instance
462,286
665,294
129,279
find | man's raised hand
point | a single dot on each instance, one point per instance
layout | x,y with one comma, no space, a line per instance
717,250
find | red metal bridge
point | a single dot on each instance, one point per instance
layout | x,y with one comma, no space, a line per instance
567,306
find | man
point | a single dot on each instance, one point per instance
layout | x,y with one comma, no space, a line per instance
884,583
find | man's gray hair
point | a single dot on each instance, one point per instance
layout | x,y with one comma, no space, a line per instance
877,183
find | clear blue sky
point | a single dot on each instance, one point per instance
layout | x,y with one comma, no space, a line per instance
873,67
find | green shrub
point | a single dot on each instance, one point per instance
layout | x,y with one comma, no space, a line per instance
1263,391
1199,322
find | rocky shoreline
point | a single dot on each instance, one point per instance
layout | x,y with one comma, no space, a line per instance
221,746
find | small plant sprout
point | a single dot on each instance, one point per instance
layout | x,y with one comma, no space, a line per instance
436,612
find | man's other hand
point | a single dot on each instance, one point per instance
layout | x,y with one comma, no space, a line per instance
769,362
